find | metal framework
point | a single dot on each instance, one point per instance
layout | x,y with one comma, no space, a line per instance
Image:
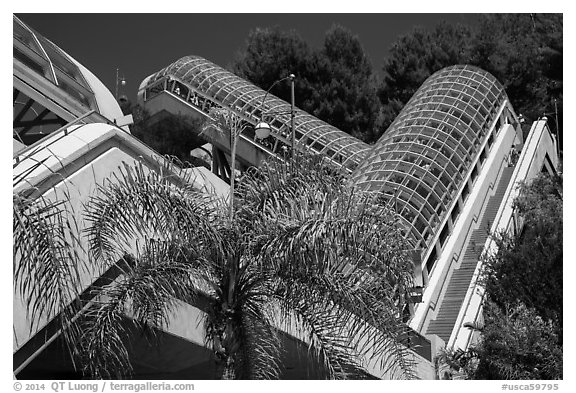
48,64
419,165
423,159
206,85
31,120
42,56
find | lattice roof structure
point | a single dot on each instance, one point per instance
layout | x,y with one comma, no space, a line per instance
420,164
421,161
207,85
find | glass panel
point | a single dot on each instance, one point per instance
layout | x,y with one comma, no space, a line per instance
34,62
431,261
60,61
25,36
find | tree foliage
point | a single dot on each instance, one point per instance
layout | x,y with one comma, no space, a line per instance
518,343
47,257
528,268
523,51
347,86
168,134
416,56
271,54
334,83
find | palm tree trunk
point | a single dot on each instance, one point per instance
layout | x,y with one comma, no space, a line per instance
229,370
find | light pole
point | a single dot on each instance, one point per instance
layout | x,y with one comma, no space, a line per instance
263,126
120,80
262,130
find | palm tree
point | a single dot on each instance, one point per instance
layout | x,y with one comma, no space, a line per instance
47,265
304,254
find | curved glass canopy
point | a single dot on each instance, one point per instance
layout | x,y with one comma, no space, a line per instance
424,157
205,85
46,59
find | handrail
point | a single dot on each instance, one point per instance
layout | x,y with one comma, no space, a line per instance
474,281
489,193
513,180
456,255
520,164
474,278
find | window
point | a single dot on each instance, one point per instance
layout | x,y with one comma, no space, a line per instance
465,192
474,172
483,156
411,184
455,212
433,201
445,180
61,62
420,225
431,261
444,234
422,191
36,63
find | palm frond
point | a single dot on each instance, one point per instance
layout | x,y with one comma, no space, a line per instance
146,292
306,315
143,204
346,321
46,262
102,347
341,261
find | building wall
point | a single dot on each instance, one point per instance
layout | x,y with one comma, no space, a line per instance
52,72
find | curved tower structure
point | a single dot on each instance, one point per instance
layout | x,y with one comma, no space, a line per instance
205,85
421,162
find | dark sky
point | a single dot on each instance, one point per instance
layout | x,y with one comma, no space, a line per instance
140,44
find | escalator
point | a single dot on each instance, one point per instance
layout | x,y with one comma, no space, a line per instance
461,277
